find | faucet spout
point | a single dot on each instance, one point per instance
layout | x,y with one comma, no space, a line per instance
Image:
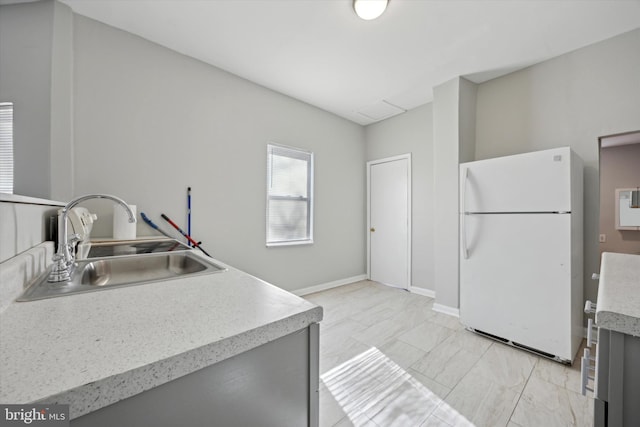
64,259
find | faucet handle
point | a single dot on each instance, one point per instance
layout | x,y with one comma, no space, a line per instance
74,238
73,242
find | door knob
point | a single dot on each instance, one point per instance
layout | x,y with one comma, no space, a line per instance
372,229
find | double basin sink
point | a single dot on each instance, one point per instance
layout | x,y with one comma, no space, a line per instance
111,265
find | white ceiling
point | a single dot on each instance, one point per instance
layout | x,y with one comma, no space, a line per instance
320,52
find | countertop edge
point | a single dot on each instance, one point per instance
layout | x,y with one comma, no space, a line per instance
617,307
93,396
618,322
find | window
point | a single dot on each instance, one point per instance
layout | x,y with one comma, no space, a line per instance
6,147
289,196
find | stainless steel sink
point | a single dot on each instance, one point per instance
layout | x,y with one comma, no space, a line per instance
111,272
129,247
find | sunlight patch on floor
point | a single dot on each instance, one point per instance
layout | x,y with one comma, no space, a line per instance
372,387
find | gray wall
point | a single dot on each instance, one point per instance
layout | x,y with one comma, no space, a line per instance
619,168
446,139
36,75
150,122
454,142
412,132
567,101
61,133
25,80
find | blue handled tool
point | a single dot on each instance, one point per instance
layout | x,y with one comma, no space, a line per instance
153,225
189,212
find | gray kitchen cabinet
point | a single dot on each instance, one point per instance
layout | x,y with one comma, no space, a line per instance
275,384
617,385
617,362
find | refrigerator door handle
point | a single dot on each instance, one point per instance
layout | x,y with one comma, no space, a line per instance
463,219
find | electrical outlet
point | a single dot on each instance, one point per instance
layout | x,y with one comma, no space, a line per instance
603,238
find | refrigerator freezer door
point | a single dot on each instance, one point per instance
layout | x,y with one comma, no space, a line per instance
516,281
530,182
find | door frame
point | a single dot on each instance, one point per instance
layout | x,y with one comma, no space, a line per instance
371,163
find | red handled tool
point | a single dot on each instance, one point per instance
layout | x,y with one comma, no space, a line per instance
193,242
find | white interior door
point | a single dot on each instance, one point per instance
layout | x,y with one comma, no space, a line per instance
389,223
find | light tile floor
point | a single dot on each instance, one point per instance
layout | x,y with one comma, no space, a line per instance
387,359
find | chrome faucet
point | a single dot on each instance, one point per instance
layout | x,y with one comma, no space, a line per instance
64,259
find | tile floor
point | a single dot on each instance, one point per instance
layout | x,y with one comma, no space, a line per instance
387,359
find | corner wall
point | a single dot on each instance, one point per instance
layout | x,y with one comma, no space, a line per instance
454,104
412,132
446,137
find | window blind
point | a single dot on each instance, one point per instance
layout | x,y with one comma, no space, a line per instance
6,147
289,196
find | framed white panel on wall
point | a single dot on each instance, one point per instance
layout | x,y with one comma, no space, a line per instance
628,208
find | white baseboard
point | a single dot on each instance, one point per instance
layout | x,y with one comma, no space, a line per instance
329,285
451,311
422,291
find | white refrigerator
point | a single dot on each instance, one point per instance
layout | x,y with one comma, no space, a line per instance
521,250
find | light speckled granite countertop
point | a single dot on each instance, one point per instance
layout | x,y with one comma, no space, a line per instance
94,349
618,306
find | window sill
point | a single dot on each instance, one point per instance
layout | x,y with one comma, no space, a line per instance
292,243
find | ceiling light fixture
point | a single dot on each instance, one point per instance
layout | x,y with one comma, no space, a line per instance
369,9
